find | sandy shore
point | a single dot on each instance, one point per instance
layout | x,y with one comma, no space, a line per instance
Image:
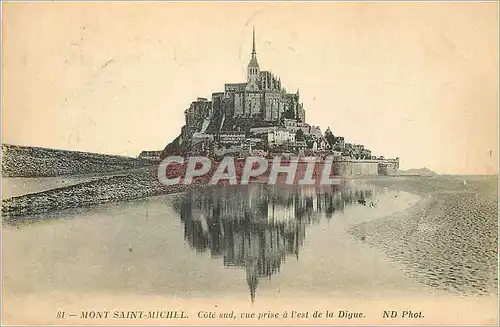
449,239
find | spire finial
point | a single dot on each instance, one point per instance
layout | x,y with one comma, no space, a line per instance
253,44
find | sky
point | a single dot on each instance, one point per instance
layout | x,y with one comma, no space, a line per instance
412,80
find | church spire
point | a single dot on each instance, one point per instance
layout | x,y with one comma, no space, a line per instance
254,53
253,70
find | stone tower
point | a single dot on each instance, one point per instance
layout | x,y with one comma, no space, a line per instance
253,70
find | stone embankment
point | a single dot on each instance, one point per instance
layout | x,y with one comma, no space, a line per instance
25,161
137,184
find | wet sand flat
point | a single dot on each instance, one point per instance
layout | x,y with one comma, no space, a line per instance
449,240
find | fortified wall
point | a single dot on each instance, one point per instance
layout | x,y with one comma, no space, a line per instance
365,167
388,166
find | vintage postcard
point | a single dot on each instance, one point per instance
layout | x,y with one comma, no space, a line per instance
250,163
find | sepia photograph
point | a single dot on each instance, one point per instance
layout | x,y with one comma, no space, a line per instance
249,163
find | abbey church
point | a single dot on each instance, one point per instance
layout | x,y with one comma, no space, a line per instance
262,96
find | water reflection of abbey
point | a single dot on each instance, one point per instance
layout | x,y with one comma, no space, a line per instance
257,227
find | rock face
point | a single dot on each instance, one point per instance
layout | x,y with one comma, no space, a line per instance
25,161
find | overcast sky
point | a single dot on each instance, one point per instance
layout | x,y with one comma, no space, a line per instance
414,80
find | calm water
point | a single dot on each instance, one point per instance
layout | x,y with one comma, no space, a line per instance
232,241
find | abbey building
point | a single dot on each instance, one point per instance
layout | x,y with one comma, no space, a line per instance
261,97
